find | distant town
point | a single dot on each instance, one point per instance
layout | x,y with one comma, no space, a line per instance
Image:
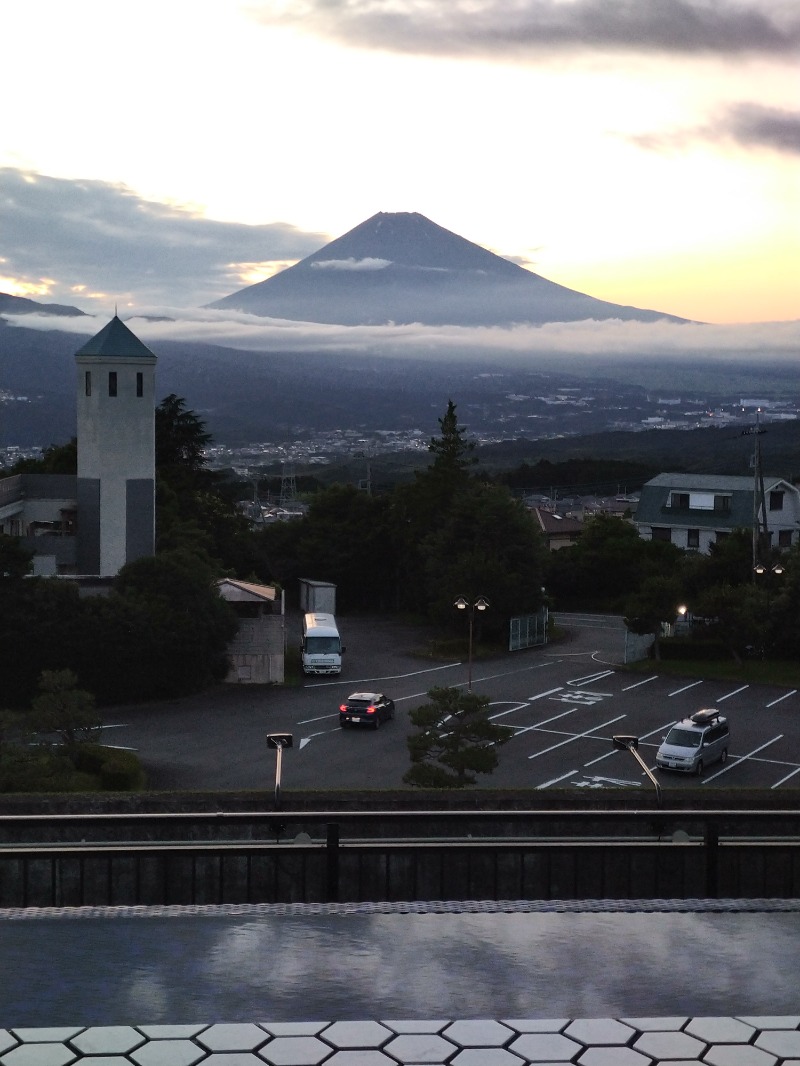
566,412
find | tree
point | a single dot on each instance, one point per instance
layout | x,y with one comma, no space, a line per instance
62,708
451,450
346,539
57,459
181,437
654,603
485,544
735,614
456,740
182,624
15,561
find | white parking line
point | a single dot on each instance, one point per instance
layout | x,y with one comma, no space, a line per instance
735,692
556,780
392,677
742,758
542,695
638,683
685,688
646,736
502,714
577,736
589,678
787,778
784,697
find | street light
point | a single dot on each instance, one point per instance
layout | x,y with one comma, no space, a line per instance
631,744
278,741
464,605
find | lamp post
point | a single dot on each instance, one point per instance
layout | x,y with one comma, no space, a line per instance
278,741
631,744
463,604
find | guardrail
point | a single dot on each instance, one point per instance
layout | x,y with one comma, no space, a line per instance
260,857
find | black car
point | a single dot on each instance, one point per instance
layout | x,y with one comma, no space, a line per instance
366,708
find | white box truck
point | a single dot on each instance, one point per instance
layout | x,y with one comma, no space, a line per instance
317,596
321,648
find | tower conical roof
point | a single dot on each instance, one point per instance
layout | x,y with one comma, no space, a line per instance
115,340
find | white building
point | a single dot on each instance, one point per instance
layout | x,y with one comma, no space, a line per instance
694,510
95,523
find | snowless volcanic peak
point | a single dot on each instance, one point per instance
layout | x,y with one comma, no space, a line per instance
401,267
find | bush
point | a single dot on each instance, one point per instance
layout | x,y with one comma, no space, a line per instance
118,771
685,648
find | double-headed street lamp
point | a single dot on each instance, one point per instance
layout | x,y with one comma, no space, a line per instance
463,604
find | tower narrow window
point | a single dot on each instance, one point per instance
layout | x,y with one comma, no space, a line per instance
112,383
139,384
87,382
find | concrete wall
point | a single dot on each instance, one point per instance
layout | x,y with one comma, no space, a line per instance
257,651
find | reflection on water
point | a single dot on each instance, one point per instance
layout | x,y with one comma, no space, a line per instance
111,971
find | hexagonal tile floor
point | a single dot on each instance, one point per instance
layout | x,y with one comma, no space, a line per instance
742,1041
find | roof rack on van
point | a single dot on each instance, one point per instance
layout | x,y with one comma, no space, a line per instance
705,716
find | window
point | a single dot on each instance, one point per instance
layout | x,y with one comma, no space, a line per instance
139,384
692,538
679,499
87,382
661,533
784,538
112,383
722,503
776,501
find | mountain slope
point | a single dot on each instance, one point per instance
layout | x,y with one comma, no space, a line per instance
21,305
403,268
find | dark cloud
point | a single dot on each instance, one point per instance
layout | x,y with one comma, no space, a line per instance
769,127
104,237
747,125
520,27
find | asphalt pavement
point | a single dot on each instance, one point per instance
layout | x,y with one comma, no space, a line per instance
564,703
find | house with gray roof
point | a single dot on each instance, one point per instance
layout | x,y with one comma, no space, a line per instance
693,511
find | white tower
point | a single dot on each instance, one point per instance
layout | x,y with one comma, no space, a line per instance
116,450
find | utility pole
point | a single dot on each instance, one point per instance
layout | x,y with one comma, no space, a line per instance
760,529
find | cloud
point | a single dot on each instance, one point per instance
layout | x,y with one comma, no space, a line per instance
663,341
82,241
747,125
351,264
506,28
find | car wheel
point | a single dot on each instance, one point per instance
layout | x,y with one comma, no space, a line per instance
343,723
377,720
699,769
724,756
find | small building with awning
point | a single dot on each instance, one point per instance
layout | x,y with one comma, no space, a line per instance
257,652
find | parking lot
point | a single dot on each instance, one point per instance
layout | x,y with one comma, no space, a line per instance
564,704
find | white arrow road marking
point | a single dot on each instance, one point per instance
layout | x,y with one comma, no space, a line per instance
322,732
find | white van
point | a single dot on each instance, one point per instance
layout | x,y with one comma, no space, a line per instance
695,742
321,648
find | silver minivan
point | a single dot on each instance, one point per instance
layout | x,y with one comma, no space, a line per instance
694,743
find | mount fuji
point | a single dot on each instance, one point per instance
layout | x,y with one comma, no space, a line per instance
402,268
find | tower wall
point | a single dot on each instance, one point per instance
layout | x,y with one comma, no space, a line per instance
116,460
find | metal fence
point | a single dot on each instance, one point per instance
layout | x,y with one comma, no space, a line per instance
528,630
401,856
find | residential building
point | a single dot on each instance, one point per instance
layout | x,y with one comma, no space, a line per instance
560,531
693,511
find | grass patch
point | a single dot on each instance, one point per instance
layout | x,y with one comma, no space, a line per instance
751,671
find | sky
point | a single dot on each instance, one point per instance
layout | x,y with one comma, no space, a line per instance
164,153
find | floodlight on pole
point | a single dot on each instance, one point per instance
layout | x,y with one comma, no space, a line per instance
278,741
463,604
631,744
